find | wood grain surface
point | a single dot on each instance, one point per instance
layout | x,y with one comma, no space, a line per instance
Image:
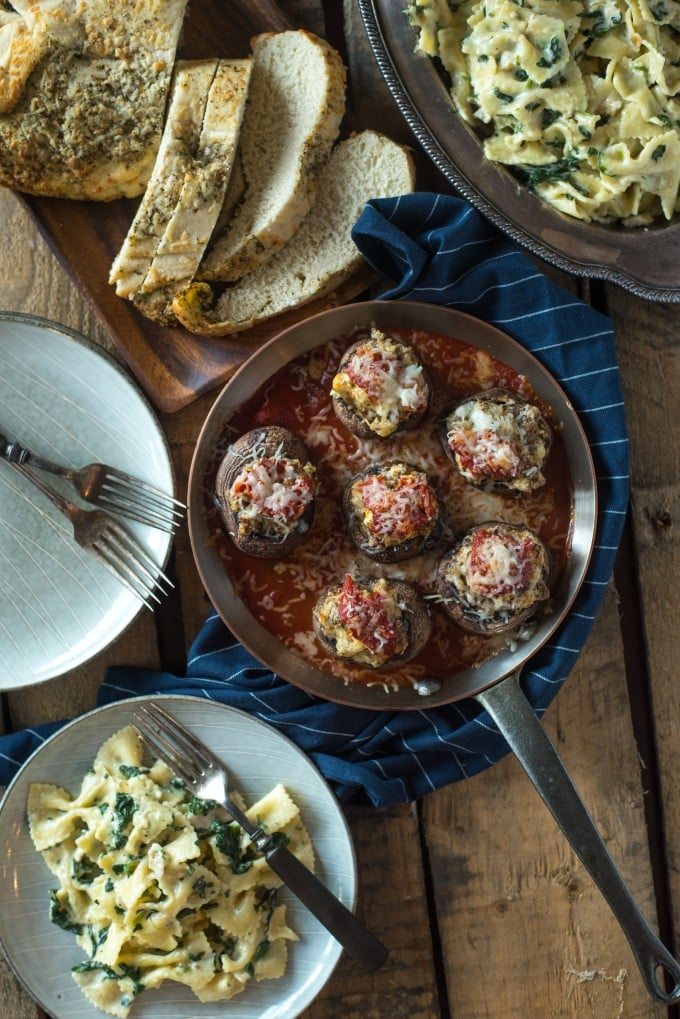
172,365
486,910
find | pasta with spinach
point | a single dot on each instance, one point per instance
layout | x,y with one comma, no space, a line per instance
152,896
579,98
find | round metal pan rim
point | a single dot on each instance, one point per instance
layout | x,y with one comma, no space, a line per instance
295,341
417,122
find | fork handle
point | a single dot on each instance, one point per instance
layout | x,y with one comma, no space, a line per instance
18,455
364,948
68,508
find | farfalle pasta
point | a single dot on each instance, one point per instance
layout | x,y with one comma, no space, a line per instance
580,99
151,896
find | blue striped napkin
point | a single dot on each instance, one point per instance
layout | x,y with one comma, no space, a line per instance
439,249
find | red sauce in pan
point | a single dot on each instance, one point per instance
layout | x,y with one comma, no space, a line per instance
282,593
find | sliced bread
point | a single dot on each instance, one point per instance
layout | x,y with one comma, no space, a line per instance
188,98
295,104
202,195
320,256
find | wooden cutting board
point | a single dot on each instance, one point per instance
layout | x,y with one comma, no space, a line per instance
172,365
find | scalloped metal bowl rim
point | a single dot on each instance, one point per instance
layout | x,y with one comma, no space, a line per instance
262,365
418,125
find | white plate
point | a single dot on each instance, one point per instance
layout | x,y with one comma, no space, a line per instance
66,401
258,757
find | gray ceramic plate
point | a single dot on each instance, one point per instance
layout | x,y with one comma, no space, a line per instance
644,261
64,399
258,757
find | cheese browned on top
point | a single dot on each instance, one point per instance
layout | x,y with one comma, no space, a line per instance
499,569
382,381
82,94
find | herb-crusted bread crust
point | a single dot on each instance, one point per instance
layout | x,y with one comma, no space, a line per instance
82,95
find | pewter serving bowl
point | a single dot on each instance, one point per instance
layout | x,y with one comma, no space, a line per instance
643,260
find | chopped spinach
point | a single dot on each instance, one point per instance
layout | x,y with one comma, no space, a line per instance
560,170
585,132
259,952
553,55
482,58
123,810
665,120
504,97
196,957
102,807
228,841
198,806
521,74
131,972
659,9
131,770
60,915
97,938
108,887
85,871
658,152
265,899
549,117
599,25
201,886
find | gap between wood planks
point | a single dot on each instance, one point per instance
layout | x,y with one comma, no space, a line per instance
172,644
640,698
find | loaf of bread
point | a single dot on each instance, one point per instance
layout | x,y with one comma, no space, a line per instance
320,256
83,88
295,104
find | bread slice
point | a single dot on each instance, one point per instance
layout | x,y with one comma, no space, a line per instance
295,105
322,253
188,99
202,195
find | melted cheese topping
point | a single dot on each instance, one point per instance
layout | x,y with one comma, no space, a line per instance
394,505
270,495
499,570
365,622
499,440
382,381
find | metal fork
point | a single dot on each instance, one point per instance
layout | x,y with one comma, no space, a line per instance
207,778
107,487
109,542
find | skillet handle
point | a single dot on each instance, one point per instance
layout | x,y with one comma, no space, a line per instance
527,738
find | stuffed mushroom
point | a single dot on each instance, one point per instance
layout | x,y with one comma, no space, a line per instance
494,578
266,489
392,512
380,388
498,441
376,623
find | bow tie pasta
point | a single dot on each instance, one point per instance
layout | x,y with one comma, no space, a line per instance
151,896
580,98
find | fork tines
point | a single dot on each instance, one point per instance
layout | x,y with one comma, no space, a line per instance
173,744
140,501
124,556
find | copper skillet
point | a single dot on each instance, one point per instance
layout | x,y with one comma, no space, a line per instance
495,684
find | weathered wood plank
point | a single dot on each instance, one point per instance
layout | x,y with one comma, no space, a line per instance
393,904
649,355
525,934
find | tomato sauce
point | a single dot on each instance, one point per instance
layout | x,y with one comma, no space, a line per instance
281,593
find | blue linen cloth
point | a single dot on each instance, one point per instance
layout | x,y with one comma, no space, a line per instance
433,248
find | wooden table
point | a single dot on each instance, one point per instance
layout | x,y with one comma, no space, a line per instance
485,907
